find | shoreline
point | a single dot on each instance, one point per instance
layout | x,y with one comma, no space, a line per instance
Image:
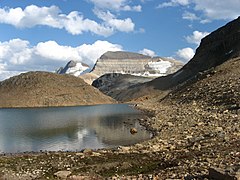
61,106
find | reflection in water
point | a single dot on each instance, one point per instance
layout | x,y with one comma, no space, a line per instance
69,128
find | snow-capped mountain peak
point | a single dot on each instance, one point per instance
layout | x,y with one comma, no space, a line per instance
75,68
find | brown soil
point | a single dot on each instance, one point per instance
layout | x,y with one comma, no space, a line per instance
43,89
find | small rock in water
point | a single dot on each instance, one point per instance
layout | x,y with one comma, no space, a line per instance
133,130
88,152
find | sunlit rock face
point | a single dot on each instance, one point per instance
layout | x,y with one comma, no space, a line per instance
135,64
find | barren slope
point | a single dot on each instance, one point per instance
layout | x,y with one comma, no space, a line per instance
43,89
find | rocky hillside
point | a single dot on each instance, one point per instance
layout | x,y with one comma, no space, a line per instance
216,48
218,88
43,89
135,64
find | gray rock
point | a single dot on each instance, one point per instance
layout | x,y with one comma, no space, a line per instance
62,174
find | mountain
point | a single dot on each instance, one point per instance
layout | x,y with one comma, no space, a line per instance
135,64
218,47
120,70
74,68
44,89
124,63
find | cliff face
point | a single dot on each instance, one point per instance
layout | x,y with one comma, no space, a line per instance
135,64
216,48
43,89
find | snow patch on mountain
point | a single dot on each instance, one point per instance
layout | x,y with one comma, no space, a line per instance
161,66
74,68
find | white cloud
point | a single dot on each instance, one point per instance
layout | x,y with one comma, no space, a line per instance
18,55
196,37
54,51
220,9
210,9
16,51
174,3
189,16
185,54
147,52
125,25
116,5
31,16
73,23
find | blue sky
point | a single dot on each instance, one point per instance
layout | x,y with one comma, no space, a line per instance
45,34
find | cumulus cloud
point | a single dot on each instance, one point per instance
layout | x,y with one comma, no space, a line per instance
116,5
196,37
53,51
73,23
147,52
210,9
125,25
185,54
18,55
16,51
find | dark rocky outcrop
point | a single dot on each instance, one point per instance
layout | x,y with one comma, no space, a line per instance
113,84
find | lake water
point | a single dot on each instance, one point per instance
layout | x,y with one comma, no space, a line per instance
69,128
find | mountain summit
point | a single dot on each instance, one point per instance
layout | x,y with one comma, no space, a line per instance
135,64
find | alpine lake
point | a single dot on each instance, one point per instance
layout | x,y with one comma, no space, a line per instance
69,128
